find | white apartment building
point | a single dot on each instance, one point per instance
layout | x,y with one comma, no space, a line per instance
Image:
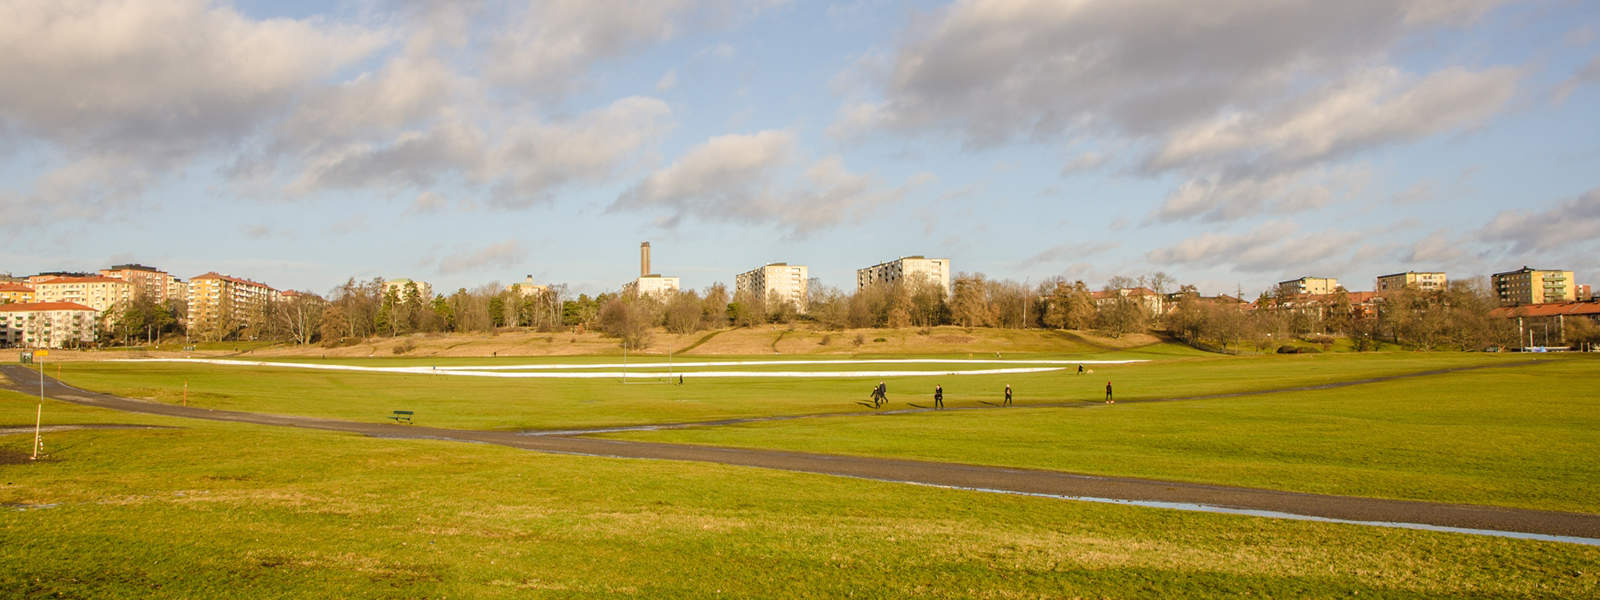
786,280
650,284
1428,281
1308,285
398,286
527,288
908,268
46,324
104,295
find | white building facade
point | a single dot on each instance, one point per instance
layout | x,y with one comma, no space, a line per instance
398,286
787,281
47,324
908,268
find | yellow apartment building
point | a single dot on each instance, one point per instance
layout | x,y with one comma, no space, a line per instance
1533,286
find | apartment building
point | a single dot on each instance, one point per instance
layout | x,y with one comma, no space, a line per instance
220,304
400,289
908,268
15,293
649,284
787,281
106,295
149,282
47,324
1154,303
1308,285
527,288
1427,281
1533,286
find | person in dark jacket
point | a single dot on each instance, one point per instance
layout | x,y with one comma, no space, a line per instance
938,396
1008,395
1108,394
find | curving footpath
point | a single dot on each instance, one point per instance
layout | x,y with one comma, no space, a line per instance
1511,522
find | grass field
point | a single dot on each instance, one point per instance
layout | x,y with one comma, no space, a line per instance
1521,436
227,510
486,403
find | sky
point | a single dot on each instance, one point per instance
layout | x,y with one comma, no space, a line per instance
1229,144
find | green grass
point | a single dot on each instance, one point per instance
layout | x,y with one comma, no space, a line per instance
232,510
1516,436
493,403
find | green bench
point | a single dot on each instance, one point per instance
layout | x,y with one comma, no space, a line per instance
400,416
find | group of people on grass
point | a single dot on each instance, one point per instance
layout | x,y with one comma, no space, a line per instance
880,394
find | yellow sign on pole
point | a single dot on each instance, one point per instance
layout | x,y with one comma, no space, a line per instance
41,353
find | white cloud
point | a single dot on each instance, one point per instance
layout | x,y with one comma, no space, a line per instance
429,203
1436,249
1088,161
1222,198
125,93
668,80
739,178
119,76
1572,224
1238,96
1213,248
534,159
1371,108
1588,74
497,255
1069,251
995,69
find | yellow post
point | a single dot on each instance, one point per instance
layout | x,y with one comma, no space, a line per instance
38,413
185,392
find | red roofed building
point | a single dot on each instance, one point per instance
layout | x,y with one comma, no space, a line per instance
1545,324
47,324
15,292
103,294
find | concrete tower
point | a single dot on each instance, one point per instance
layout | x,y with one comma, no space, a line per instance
644,259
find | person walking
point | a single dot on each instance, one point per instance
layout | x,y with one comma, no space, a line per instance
938,396
1080,369
1008,395
880,395
1108,394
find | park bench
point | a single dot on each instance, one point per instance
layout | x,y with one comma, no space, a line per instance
402,416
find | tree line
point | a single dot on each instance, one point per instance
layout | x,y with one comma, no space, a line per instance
1456,317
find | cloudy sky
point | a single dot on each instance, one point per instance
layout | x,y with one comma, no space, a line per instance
1228,143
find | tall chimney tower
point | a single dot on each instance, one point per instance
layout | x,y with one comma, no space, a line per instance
644,259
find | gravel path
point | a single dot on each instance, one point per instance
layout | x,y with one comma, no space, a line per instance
1571,527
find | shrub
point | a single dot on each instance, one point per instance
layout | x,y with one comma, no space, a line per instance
879,340
404,347
827,339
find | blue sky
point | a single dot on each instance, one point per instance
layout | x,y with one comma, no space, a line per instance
1229,144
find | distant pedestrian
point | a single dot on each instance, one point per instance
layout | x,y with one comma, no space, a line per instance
938,396
680,379
1080,369
1008,395
878,395
1108,394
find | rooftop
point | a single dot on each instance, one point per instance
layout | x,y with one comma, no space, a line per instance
43,306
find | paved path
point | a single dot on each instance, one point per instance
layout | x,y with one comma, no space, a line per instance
988,478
